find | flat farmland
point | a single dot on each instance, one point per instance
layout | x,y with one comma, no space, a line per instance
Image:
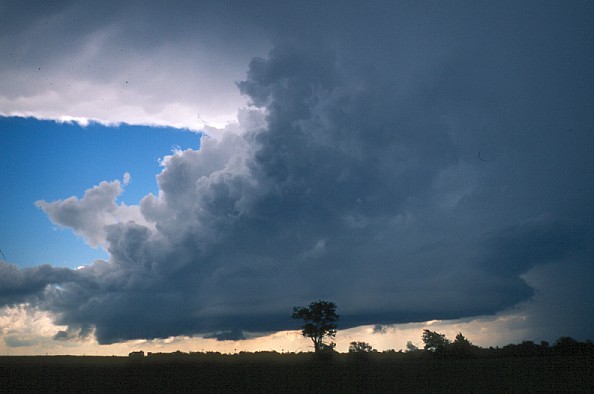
295,373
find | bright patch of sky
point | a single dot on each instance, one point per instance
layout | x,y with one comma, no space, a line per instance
46,160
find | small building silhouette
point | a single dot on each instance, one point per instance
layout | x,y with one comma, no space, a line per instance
138,354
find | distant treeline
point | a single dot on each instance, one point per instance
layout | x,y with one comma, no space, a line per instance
564,346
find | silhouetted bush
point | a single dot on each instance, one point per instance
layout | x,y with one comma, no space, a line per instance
360,347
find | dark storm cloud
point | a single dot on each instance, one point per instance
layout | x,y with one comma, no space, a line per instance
20,285
415,164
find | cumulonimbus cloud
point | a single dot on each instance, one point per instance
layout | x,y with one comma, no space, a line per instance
364,185
334,197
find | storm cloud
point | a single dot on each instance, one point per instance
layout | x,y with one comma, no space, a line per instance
18,286
407,163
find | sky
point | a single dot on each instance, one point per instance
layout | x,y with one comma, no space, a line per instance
180,175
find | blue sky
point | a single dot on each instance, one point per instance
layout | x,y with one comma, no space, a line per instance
430,162
48,160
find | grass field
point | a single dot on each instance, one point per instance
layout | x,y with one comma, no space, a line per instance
299,373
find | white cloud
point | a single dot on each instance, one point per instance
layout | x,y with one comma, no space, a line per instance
89,216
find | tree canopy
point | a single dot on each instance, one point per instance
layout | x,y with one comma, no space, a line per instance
434,341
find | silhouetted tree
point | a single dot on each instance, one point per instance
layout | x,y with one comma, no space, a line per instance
319,321
411,347
434,341
462,346
360,347
566,345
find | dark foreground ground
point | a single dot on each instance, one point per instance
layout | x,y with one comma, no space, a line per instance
300,373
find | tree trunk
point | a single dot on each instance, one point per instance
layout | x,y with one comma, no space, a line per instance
317,344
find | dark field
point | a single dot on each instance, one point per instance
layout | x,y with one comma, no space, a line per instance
274,373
